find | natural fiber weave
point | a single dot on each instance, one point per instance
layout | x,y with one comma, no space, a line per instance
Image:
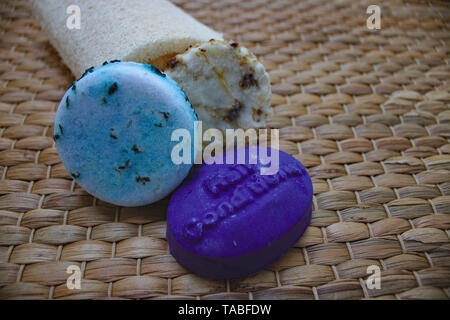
367,112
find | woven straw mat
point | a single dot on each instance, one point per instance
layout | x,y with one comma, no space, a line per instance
365,111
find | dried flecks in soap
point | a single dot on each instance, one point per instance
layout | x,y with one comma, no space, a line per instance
113,135
247,81
190,104
112,88
165,114
125,166
136,149
233,113
156,70
75,174
56,136
256,114
172,62
142,180
89,70
112,61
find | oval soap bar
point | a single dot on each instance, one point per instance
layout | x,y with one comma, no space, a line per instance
113,132
230,220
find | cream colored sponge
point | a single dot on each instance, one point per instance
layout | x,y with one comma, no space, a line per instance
225,83
149,31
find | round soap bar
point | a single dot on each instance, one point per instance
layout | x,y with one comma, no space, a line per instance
230,220
113,132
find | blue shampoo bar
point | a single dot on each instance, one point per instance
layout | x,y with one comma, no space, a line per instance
113,132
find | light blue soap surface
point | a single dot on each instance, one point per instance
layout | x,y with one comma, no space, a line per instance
113,132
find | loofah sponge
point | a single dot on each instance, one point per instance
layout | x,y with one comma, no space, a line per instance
132,30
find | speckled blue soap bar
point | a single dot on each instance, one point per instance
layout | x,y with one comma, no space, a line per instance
113,132
229,220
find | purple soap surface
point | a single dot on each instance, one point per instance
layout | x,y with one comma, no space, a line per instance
229,220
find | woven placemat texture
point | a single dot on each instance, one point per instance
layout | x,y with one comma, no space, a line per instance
366,111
